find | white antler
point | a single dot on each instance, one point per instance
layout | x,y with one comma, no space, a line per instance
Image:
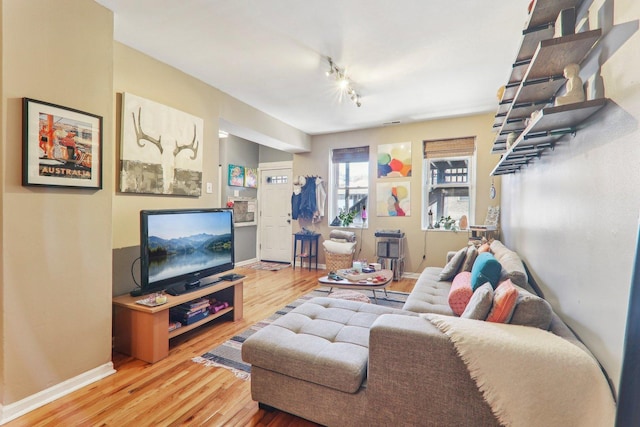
141,135
193,146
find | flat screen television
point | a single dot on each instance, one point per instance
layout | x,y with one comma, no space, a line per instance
180,248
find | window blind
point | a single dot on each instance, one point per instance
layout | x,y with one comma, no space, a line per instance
437,148
352,154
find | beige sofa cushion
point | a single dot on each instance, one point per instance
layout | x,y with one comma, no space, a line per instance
324,341
429,294
512,266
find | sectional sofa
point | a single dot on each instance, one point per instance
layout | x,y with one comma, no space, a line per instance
348,363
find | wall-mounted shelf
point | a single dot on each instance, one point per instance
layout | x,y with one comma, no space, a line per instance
542,132
536,77
539,26
542,79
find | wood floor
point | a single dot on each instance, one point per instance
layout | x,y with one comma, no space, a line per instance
176,391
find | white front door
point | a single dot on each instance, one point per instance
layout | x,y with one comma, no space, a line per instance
275,213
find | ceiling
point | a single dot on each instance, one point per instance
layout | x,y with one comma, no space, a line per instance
411,60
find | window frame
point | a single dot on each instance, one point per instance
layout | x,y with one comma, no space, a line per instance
334,180
427,187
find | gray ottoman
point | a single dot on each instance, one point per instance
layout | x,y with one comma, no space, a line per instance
323,341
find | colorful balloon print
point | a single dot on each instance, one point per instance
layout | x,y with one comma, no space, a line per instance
394,160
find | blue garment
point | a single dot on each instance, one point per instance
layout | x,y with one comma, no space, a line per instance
295,205
307,206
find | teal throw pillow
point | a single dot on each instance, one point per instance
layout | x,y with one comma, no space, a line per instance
486,268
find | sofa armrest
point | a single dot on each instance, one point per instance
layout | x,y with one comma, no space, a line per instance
416,375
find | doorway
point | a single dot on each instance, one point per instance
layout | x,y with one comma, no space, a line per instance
275,228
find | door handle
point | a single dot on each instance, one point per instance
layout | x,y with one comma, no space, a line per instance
288,221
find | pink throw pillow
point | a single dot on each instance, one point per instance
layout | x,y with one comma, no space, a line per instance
504,302
460,292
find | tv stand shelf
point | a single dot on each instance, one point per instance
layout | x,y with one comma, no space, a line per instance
143,332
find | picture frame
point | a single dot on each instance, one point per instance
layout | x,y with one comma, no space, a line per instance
161,150
61,146
251,177
394,160
393,198
236,176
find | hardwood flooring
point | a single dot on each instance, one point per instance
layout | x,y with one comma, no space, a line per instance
176,391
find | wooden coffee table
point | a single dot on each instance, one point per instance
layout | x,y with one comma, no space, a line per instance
360,285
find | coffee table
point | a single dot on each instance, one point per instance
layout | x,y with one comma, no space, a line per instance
360,285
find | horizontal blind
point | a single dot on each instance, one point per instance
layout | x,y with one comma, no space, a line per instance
352,154
436,148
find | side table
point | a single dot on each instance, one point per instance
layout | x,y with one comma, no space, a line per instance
311,253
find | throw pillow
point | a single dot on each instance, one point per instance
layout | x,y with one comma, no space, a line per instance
504,302
486,268
460,292
484,248
469,258
512,266
453,266
480,303
531,310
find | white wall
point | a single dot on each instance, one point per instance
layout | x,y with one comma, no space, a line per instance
573,215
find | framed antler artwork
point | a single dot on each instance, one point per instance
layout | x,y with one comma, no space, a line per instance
62,147
161,149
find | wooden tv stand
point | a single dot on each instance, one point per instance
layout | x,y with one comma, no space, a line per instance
143,332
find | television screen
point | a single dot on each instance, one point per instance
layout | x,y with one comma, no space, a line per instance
182,247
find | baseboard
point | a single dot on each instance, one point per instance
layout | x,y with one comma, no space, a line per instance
246,262
17,409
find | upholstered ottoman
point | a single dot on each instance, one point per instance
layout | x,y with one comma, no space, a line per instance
324,341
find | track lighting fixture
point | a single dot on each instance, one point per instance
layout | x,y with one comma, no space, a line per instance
344,83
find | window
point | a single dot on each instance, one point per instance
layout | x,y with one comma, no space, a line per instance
349,185
448,179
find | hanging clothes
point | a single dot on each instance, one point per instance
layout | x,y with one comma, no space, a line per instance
296,197
308,199
321,197
295,205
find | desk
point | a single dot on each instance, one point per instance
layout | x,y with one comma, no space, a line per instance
312,248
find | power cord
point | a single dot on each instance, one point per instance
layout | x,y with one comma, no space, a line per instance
361,241
424,249
132,275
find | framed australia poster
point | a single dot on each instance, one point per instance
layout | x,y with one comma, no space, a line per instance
61,146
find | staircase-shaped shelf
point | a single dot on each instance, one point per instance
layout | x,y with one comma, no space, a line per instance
543,131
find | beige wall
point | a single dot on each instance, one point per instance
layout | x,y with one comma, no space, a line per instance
56,266
56,276
573,214
143,76
438,243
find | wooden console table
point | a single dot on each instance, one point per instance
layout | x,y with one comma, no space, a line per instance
143,332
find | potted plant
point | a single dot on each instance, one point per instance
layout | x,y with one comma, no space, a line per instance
346,217
447,222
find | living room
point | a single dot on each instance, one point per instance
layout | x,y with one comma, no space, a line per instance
572,214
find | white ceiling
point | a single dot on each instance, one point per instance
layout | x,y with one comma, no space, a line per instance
411,60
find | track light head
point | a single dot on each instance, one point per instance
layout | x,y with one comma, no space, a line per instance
344,83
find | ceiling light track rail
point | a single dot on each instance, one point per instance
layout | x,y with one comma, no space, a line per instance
344,83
